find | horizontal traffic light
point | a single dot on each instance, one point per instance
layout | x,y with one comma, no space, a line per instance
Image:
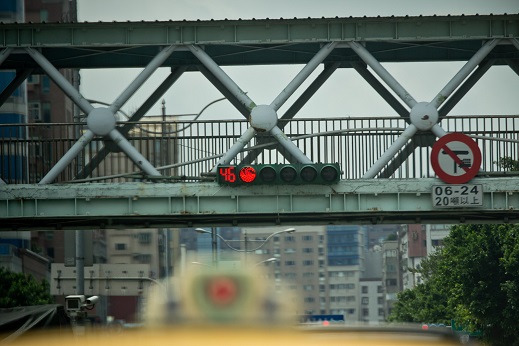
279,174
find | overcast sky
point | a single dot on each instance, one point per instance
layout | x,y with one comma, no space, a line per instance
344,94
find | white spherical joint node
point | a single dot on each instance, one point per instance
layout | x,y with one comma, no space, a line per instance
101,121
424,116
263,118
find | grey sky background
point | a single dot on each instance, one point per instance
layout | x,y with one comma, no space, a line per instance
344,94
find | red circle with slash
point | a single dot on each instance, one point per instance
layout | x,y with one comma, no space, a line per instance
455,158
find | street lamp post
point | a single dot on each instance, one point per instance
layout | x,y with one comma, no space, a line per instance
246,249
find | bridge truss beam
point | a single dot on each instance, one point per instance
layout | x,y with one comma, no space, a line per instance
137,205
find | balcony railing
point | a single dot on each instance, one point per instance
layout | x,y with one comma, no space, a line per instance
187,150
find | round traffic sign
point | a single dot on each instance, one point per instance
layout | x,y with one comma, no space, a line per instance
455,158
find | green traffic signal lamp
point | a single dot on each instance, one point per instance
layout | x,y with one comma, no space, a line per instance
279,174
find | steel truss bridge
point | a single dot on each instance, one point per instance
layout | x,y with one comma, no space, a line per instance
386,172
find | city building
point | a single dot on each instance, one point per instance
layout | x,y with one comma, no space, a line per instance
390,274
416,242
372,298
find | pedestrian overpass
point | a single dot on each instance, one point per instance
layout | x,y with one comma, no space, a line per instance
106,172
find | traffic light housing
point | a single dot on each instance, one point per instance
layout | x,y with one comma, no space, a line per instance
279,174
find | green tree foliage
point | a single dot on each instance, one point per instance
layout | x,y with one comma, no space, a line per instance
508,163
474,279
17,289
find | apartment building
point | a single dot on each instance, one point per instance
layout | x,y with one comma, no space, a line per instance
416,242
390,274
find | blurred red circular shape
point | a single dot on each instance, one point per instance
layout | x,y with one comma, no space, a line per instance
222,291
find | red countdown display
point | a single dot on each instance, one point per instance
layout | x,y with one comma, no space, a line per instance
228,174
278,174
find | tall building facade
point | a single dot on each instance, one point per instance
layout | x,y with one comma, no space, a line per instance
416,242
13,110
391,276
345,246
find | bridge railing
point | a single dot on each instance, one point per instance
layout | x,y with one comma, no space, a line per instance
187,150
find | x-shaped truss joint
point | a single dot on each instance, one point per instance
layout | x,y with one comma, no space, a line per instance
101,121
263,118
424,116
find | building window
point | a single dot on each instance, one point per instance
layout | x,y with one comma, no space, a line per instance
437,242
290,250
45,84
390,268
390,282
308,250
365,312
307,238
309,299
144,238
44,16
290,263
308,287
34,109
290,238
144,258
364,289
33,79
308,262
381,312
380,300
46,112
120,246
380,289
365,300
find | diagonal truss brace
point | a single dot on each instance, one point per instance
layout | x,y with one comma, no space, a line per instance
100,121
263,118
139,113
423,115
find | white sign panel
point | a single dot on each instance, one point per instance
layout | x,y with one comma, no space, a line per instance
102,279
461,196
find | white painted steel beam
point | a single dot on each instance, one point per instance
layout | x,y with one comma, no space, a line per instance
139,113
100,121
137,205
132,153
429,111
382,73
236,148
68,157
296,82
289,145
262,118
381,90
155,63
61,81
222,76
391,152
463,73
